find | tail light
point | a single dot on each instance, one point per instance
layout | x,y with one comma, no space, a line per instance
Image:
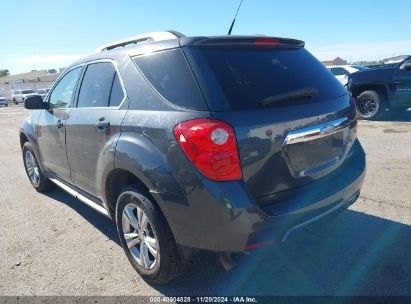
212,148
267,42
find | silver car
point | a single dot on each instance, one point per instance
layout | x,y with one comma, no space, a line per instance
43,92
19,96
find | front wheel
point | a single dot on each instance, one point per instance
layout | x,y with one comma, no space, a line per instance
15,101
370,105
146,237
37,178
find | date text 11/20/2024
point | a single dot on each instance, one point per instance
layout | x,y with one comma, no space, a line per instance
203,299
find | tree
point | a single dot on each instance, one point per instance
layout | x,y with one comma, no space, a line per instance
4,73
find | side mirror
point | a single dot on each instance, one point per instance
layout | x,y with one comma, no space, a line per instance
34,103
406,66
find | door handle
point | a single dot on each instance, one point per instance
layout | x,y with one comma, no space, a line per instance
102,125
59,124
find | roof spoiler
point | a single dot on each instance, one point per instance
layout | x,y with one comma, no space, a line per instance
148,37
251,41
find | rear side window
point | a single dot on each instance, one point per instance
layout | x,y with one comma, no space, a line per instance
117,94
170,75
100,87
246,75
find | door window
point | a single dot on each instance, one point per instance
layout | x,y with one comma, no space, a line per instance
62,94
100,87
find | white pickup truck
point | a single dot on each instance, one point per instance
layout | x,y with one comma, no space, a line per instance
341,72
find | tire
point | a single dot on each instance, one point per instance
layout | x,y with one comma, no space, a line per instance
36,177
370,105
6,105
162,260
15,101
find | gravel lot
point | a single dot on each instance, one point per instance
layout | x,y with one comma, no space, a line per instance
55,245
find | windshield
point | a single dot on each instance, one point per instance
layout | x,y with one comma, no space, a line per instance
27,91
248,75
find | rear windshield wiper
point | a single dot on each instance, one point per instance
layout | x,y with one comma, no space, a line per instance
306,92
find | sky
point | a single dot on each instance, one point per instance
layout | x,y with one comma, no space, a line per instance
46,34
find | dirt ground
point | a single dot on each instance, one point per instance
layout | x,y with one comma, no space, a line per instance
55,245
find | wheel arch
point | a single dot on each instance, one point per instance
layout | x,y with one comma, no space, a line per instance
381,88
117,180
23,138
27,134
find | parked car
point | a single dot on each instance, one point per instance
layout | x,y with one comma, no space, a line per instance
197,143
18,96
341,72
43,92
3,101
379,89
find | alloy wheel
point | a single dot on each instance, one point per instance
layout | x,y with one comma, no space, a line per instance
139,236
367,106
32,168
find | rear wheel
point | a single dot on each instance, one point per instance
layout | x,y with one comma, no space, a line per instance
370,105
146,238
15,101
37,178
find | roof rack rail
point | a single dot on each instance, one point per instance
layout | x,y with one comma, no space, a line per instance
148,37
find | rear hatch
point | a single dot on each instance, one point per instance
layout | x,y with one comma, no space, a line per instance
293,121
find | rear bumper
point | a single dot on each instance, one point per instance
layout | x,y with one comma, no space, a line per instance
281,227
222,217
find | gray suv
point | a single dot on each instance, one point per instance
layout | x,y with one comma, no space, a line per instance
197,143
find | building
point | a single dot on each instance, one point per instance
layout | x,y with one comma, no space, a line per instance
32,80
336,61
395,59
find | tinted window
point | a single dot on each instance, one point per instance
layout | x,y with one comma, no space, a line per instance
62,93
117,94
360,67
169,73
27,91
339,71
248,75
96,85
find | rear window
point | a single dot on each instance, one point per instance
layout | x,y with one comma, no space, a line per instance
246,76
27,91
170,75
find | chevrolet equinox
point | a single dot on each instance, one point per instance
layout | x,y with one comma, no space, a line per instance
224,144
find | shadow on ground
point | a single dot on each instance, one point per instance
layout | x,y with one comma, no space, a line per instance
101,222
352,254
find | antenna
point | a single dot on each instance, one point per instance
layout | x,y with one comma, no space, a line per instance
235,16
